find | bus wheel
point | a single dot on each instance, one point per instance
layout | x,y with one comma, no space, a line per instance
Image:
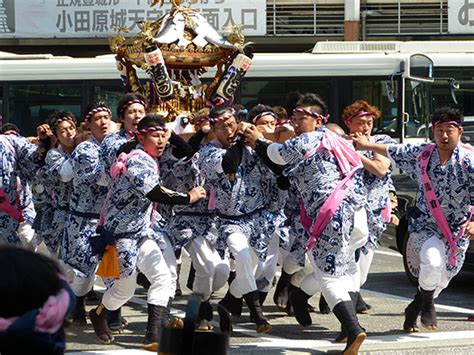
411,277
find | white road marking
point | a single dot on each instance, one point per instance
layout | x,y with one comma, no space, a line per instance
400,298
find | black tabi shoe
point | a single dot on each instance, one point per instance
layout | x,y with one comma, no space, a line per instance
255,309
345,313
299,301
411,315
428,311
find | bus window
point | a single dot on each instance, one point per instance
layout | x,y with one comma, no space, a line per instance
109,92
417,106
273,92
375,93
464,95
31,104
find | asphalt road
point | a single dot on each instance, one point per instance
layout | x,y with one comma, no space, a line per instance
387,290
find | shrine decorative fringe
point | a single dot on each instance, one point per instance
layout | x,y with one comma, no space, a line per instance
109,266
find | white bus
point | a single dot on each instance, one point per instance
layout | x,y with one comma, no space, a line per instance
401,78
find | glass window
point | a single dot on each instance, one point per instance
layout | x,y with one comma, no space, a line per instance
31,104
418,107
110,92
383,94
273,92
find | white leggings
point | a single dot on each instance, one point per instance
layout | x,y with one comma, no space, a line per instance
211,271
336,289
433,274
151,263
267,269
245,265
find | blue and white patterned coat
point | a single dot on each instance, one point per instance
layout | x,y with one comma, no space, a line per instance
87,196
43,196
276,202
378,195
109,148
128,210
18,158
298,237
454,187
316,178
189,222
61,191
243,200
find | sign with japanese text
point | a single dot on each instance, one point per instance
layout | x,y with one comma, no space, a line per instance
461,16
97,18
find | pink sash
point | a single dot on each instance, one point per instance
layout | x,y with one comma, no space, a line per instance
349,162
5,205
434,205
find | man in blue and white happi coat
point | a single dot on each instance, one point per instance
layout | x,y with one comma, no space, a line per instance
19,159
234,177
440,226
320,163
128,220
58,174
359,117
89,188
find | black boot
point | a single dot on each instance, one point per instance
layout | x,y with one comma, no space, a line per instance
289,305
280,297
345,313
158,317
205,316
232,304
323,305
98,317
342,336
178,291
428,311
255,309
411,315
299,301
115,321
362,307
262,296
79,313
143,281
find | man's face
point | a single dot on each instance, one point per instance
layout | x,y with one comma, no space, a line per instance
132,115
304,123
99,124
154,142
361,124
224,130
447,136
266,124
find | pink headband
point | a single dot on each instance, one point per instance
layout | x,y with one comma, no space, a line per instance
152,129
131,102
282,122
228,114
96,110
312,114
49,318
455,123
260,115
360,114
62,119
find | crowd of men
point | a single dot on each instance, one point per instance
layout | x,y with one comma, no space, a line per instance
314,200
